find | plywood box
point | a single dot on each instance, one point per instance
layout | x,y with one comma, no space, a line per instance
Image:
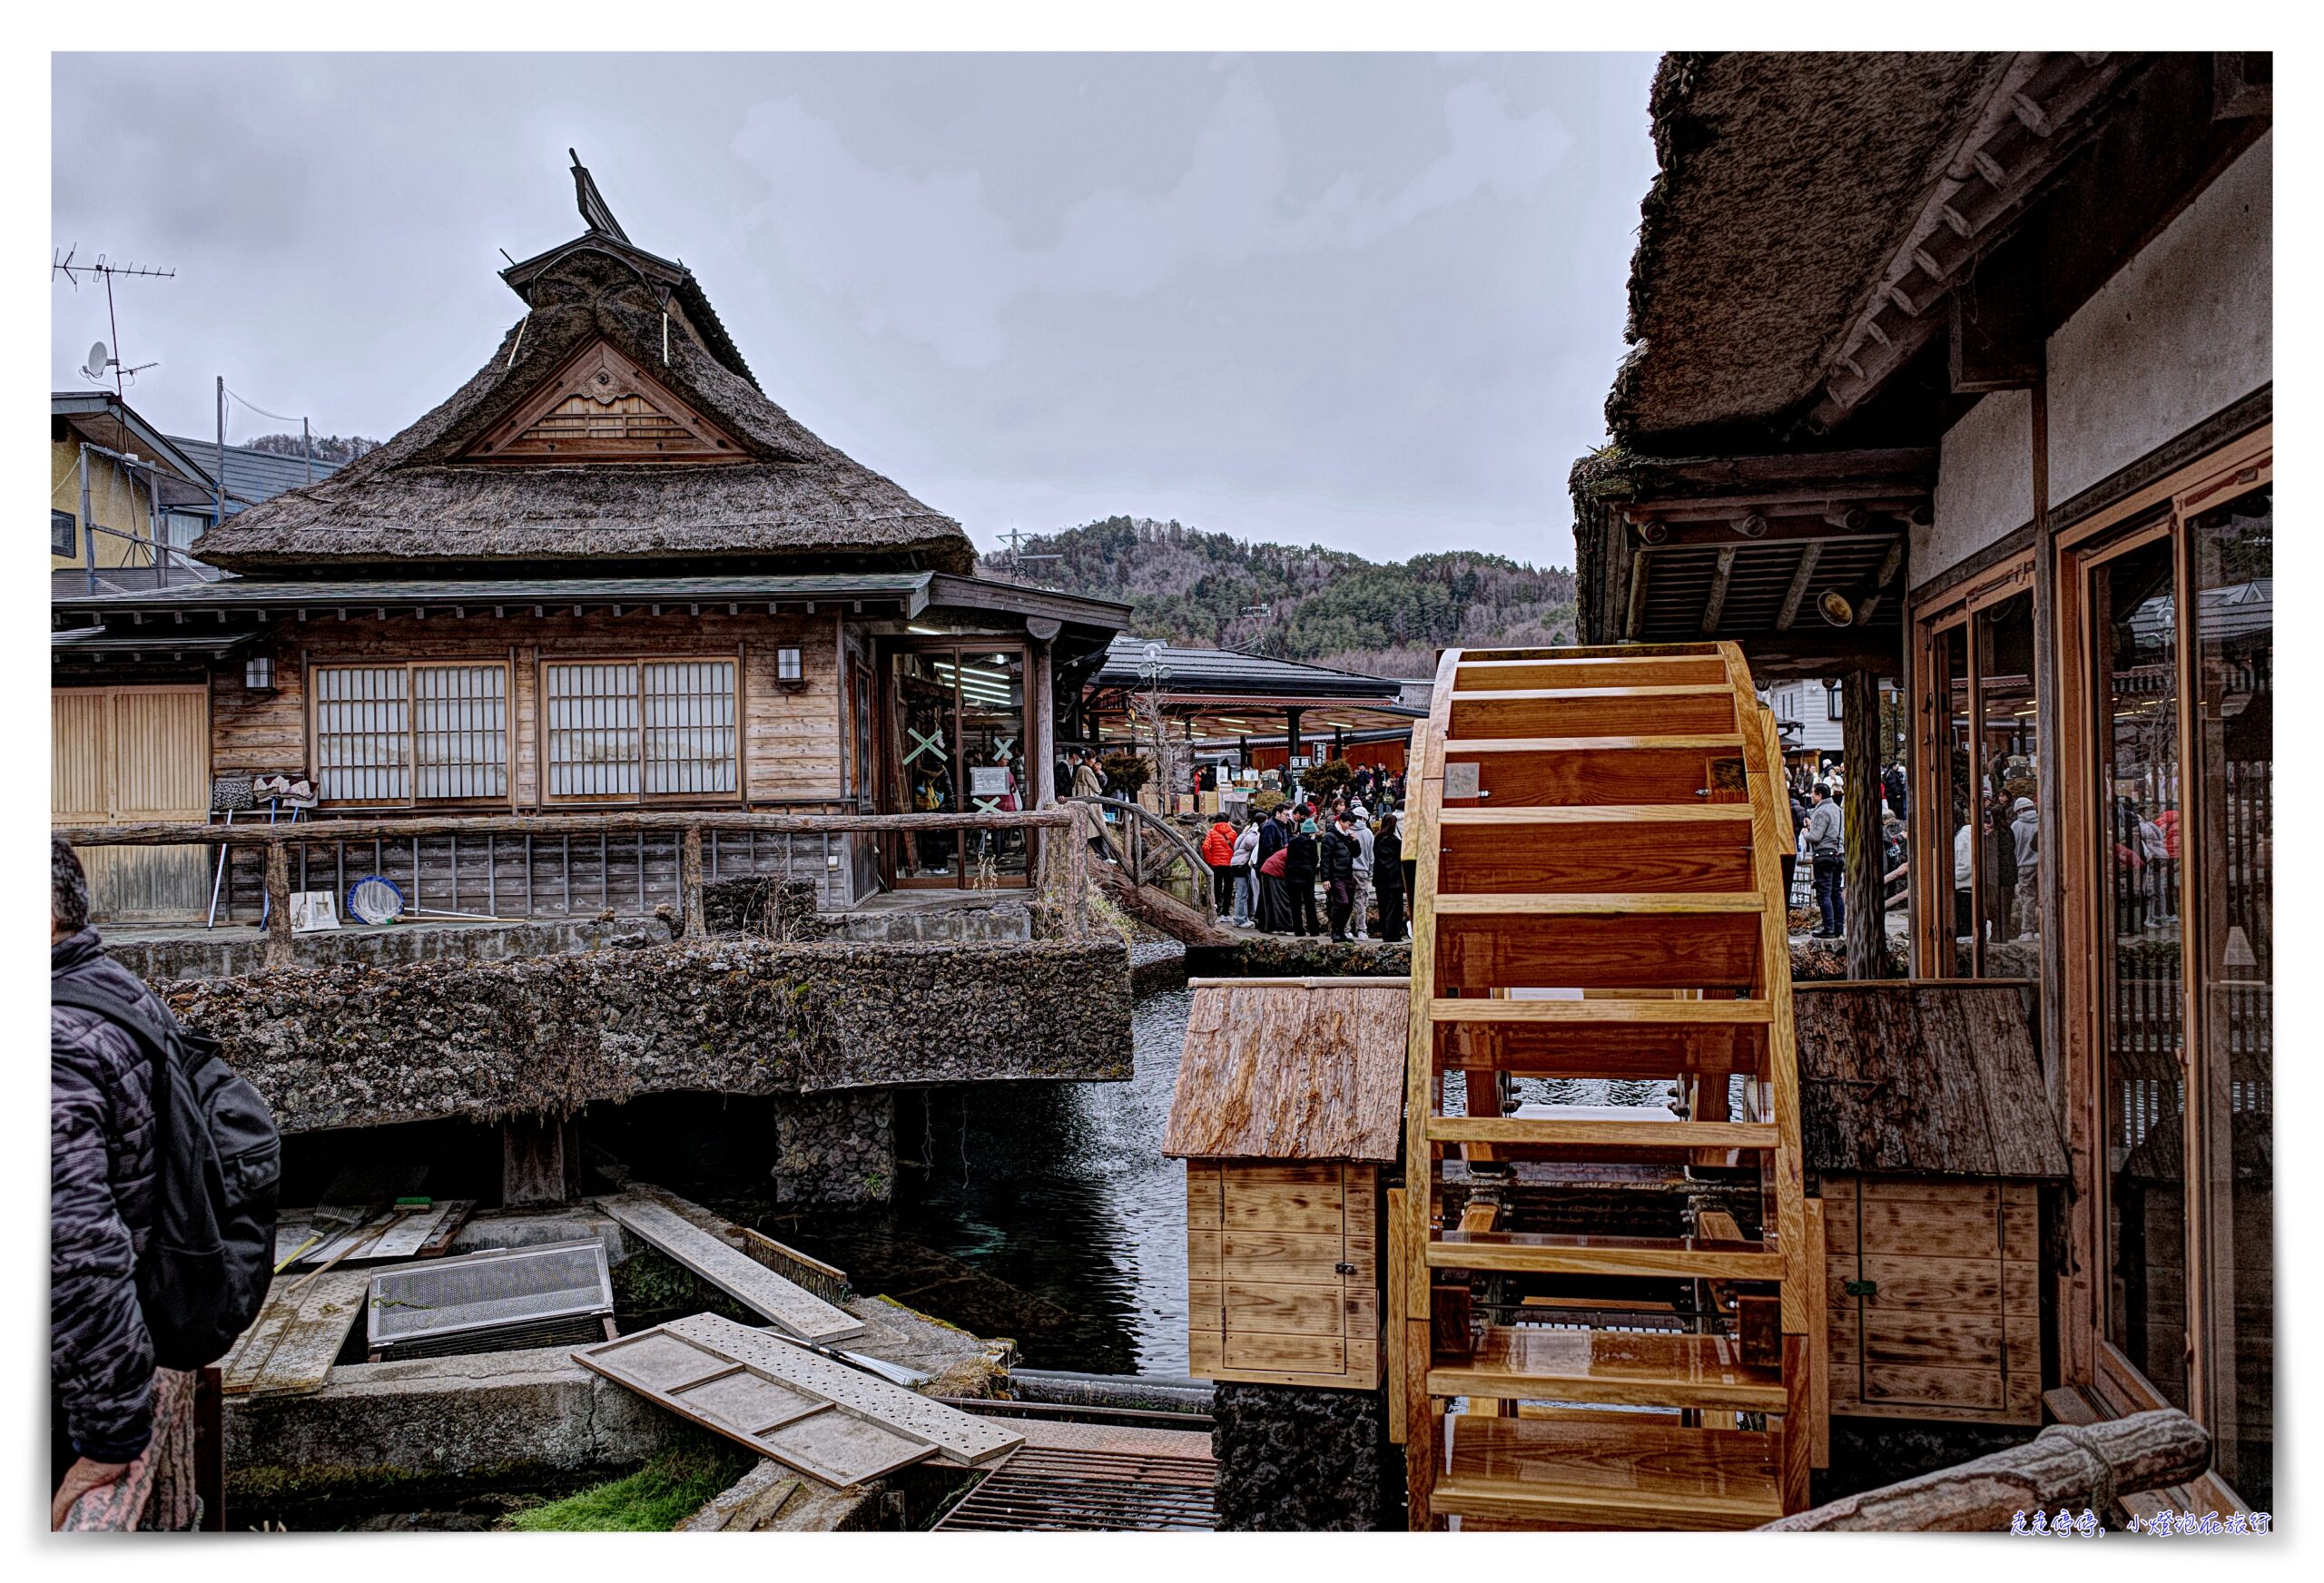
1932,1287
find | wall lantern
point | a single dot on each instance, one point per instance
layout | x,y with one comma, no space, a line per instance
257,676
787,668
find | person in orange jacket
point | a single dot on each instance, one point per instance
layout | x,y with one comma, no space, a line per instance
1218,852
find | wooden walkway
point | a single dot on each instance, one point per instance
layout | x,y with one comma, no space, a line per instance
1598,896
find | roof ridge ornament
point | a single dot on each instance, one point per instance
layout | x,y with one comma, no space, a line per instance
593,211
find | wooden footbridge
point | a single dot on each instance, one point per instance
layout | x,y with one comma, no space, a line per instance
1597,897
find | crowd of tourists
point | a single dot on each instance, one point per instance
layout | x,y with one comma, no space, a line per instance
1269,872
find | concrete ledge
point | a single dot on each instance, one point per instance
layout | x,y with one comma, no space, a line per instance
485,1041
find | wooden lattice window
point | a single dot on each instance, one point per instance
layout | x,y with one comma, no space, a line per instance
623,729
406,732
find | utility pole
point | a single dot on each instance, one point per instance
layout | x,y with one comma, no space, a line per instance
218,485
88,527
307,448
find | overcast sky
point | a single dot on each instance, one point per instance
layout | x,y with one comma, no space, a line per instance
1373,301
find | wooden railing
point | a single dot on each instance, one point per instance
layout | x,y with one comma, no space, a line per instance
1062,873
1148,848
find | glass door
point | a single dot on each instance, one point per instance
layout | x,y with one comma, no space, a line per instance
963,728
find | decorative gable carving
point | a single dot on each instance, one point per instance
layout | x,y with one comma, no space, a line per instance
600,407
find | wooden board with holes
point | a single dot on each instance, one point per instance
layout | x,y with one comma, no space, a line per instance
290,1348
732,1272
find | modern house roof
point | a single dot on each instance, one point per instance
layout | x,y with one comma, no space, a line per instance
104,418
770,492
253,476
1231,673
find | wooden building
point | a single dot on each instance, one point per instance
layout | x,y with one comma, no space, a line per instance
1925,1135
1967,382
608,573
1288,1106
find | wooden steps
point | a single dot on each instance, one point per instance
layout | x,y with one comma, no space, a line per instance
1608,821
1538,1364
1548,1254
1604,1475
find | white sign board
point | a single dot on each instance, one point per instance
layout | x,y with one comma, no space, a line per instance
313,909
988,780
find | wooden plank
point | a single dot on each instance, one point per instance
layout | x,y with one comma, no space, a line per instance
1669,1133
1480,674
1615,1367
1685,854
1592,772
1936,1230
1250,1207
958,1434
1819,1340
1254,1307
744,1280
1203,1195
385,1238
1977,1285
1592,712
1607,1011
290,1348
1610,951
1286,1354
1600,904
1292,1258
1399,1265
1587,1255
1609,1474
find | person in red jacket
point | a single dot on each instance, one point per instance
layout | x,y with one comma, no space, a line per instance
1218,852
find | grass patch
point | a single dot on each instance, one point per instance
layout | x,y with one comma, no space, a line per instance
656,1499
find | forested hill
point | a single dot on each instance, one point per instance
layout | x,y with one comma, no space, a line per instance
1331,607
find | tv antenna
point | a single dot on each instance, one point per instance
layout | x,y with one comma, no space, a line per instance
1015,538
100,362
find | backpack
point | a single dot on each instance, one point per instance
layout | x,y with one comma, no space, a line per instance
218,1166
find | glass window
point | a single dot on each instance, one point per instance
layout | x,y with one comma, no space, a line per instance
409,732
364,733
2009,819
2232,555
64,533
621,728
1953,883
961,748
459,716
2142,1023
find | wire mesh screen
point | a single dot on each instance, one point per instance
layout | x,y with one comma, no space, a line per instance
362,734
480,1293
460,730
593,736
690,726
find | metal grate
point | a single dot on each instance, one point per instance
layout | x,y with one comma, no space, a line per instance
459,716
1044,1488
481,1296
364,733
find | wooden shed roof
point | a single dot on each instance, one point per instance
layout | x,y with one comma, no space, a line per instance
1291,1069
1933,1078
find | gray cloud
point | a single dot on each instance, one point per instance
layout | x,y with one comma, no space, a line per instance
1372,300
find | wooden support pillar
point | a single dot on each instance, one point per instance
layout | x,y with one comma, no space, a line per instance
1290,749
540,1161
1865,925
278,908
1423,1443
691,925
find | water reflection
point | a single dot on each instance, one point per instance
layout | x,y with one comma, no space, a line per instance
1042,1212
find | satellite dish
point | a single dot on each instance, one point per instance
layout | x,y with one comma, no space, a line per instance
95,366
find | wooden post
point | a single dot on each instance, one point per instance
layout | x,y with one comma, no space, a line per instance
690,883
1865,926
278,904
2062,1466
540,1161
1075,914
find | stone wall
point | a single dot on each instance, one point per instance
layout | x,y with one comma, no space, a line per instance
227,952
835,1149
1293,1459
339,1047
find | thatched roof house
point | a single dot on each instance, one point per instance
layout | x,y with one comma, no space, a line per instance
616,423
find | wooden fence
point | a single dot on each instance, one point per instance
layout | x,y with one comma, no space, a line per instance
638,836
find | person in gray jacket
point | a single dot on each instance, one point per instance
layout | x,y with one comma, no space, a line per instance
1826,846
2026,827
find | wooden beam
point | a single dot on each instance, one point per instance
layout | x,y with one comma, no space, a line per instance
2064,1465
1802,577
1716,603
160,834
1880,581
1860,745
1634,614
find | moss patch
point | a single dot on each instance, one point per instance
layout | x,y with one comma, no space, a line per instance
664,1492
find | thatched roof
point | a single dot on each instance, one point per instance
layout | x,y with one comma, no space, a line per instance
416,501
1291,1069
1935,1077
1787,180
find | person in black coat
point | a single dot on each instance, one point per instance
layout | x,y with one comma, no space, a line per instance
1299,865
1337,861
1275,904
1388,874
104,1191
